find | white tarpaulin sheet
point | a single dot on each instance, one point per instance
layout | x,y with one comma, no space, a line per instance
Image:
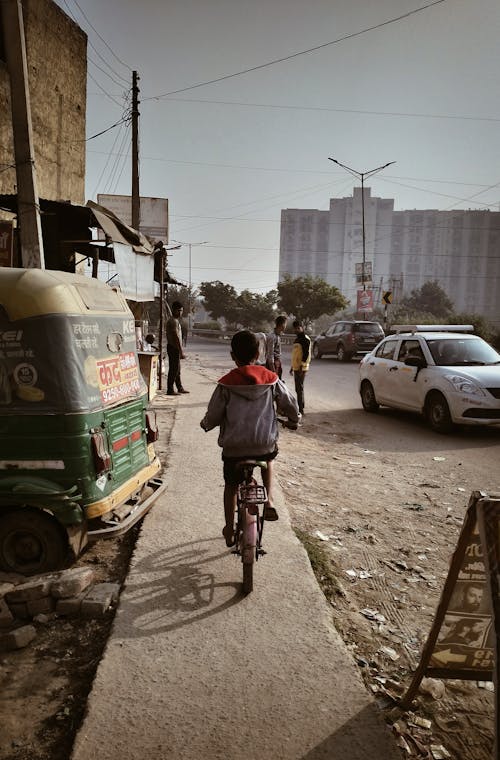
135,273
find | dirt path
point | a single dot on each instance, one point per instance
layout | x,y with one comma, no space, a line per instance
391,522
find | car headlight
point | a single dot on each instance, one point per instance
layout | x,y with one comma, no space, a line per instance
465,385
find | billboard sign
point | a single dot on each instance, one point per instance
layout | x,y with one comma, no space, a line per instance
365,300
367,279
153,215
464,637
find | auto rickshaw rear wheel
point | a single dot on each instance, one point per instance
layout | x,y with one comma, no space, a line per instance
31,542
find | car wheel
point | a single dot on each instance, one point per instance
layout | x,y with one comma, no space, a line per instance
368,399
438,413
342,354
31,542
316,352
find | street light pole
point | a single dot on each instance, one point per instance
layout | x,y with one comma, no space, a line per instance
361,176
190,245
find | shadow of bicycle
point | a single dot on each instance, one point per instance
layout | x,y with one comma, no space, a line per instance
174,588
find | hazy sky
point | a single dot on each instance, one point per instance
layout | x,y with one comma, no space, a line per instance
421,91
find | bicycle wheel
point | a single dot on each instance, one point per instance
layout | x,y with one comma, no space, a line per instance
248,544
247,577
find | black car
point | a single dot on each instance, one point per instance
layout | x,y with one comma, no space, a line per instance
347,339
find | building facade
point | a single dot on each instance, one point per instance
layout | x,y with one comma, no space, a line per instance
402,250
56,52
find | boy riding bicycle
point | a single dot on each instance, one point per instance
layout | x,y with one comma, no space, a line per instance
244,405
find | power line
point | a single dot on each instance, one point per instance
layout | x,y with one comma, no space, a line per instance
296,55
337,110
287,170
125,65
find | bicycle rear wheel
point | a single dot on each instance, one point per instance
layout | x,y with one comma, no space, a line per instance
248,545
247,577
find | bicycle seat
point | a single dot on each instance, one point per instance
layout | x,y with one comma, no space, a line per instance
251,463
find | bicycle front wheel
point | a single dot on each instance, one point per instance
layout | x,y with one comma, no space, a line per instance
247,577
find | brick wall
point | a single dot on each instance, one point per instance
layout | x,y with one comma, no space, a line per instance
57,73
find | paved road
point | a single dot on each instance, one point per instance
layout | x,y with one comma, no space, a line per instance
193,669
332,389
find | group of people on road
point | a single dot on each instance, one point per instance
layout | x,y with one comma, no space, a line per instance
301,355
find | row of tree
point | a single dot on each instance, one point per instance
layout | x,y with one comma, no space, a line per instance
317,303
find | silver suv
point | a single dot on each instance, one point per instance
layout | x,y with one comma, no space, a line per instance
347,339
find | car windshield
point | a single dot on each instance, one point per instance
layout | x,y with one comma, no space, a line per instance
371,329
461,352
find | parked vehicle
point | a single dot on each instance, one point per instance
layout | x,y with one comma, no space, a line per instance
77,460
440,371
347,339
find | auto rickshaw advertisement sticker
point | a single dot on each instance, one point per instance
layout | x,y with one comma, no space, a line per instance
118,377
463,638
67,363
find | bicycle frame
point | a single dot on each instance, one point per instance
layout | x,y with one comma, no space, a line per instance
249,520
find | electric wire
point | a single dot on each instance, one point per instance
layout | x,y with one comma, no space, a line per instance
409,114
300,53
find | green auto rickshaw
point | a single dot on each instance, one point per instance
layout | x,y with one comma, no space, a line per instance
77,460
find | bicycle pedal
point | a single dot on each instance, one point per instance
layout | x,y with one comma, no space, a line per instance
261,552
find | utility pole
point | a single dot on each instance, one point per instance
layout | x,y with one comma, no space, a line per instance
28,208
136,199
361,176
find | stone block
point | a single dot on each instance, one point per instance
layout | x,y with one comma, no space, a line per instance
6,616
36,588
35,607
5,588
99,599
17,639
19,610
68,607
72,582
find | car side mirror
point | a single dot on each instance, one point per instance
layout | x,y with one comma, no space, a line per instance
416,361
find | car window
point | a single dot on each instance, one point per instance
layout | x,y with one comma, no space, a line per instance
369,328
386,349
339,328
462,351
410,347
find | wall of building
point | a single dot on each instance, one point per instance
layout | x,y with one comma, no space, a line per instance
459,249
56,50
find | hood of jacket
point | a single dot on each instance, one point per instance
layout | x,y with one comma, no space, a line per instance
250,381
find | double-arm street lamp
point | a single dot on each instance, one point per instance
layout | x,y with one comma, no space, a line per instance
361,176
190,245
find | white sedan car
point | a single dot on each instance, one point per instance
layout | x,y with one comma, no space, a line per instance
440,371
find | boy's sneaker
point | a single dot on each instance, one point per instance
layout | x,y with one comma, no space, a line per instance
270,513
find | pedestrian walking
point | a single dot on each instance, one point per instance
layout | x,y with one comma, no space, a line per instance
301,358
273,347
174,350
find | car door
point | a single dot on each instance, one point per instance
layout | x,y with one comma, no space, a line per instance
329,342
376,367
402,380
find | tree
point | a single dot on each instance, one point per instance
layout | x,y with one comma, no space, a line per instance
481,325
220,300
430,299
256,311
307,298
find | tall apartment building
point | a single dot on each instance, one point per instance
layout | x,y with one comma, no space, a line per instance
403,250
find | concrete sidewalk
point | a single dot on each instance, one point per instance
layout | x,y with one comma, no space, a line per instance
193,669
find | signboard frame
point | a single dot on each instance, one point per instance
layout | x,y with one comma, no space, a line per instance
472,549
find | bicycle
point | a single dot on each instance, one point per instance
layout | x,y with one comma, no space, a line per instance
251,495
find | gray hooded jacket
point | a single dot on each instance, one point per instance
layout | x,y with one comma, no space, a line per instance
244,405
